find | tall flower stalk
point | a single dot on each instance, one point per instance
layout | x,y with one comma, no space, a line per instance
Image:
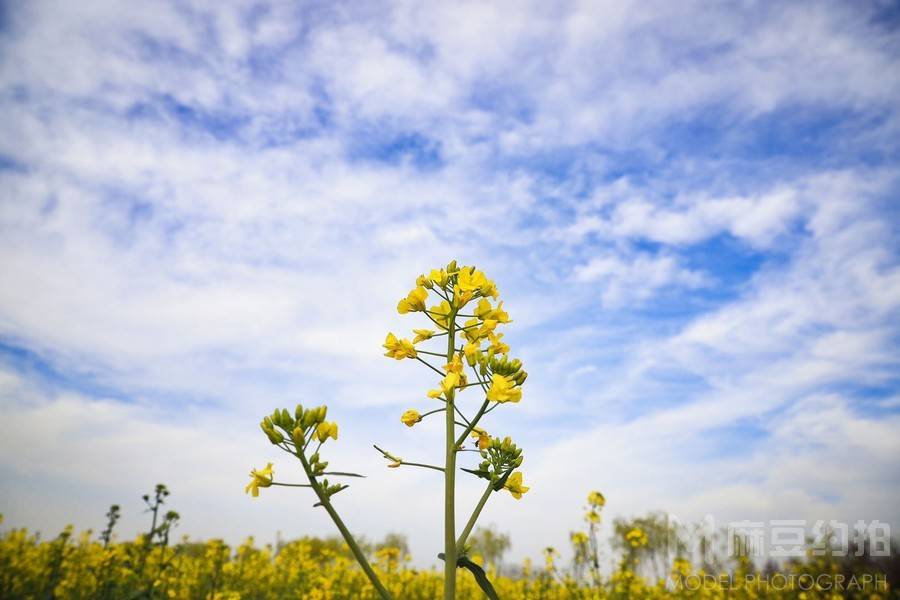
475,342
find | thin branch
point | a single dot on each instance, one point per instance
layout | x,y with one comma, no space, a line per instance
432,367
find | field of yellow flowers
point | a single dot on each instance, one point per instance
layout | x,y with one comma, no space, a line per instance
86,566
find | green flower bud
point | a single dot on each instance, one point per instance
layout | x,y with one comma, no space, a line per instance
298,437
298,412
274,436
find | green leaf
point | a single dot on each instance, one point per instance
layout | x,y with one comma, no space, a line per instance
478,573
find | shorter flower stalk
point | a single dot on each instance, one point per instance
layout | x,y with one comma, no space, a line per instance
296,435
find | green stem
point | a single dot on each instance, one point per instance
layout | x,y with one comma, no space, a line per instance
423,465
475,514
290,484
348,537
473,423
450,476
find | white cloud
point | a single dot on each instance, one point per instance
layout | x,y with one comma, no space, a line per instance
636,278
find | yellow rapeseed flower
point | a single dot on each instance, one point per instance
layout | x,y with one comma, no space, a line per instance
503,389
414,301
498,346
471,351
259,479
397,348
450,382
596,499
470,279
484,440
326,430
441,314
514,485
439,277
455,365
422,335
410,417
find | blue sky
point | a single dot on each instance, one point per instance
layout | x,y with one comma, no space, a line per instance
211,209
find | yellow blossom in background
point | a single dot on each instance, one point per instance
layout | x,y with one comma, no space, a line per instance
596,499
514,485
414,301
503,389
636,537
579,538
259,479
681,567
410,417
592,516
398,349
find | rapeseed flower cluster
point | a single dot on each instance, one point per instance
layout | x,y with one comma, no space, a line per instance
464,311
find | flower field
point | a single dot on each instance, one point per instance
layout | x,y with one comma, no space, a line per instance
81,566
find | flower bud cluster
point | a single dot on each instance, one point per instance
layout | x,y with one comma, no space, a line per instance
330,489
296,427
500,458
